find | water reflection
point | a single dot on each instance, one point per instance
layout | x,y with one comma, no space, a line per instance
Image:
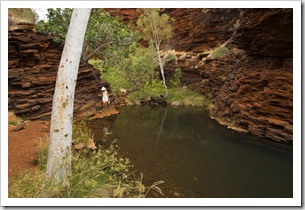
196,157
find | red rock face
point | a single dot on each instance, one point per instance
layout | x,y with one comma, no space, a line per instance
251,87
32,70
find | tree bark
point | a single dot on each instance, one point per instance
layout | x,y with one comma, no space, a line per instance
59,155
161,68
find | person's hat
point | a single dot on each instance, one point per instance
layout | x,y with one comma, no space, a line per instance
103,88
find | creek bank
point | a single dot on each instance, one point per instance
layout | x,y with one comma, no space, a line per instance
251,85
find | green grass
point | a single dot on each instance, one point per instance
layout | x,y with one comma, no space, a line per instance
94,173
180,95
220,51
81,133
101,173
187,97
42,153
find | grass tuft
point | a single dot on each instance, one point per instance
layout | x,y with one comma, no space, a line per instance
96,173
187,97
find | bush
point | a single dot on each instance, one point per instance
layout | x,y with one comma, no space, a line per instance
175,82
131,72
220,51
114,75
154,89
185,96
169,57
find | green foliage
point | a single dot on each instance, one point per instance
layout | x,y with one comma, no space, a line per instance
156,28
105,36
114,74
141,66
94,174
175,82
101,173
169,57
80,132
42,153
150,89
153,25
220,51
185,96
57,24
132,72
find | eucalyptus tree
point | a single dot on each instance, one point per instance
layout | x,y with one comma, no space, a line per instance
105,37
157,28
59,154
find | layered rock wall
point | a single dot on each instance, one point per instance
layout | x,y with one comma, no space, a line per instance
251,86
32,70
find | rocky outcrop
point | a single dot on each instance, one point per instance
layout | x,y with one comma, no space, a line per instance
251,86
257,93
32,70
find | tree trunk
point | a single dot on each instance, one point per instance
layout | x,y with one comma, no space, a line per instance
59,155
161,68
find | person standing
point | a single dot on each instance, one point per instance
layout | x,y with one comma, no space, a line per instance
105,98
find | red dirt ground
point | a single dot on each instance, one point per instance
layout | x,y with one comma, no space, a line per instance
22,146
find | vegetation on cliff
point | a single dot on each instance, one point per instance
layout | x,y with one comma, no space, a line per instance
114,49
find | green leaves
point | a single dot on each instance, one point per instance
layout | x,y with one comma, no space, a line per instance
57,24
105,37
154,26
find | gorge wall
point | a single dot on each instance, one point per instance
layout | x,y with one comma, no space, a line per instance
32,69
251,86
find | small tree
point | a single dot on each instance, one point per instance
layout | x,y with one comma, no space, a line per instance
59,155
156,28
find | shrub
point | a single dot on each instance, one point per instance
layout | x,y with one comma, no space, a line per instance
114,75
220,51
154,89
169,57
175,82
187,97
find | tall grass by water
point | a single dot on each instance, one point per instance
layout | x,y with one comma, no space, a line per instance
95,173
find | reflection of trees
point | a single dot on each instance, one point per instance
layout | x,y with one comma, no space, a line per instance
161,128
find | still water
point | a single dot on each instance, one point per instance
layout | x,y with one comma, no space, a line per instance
197,157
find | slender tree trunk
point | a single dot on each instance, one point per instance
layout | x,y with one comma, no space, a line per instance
161,68
59,155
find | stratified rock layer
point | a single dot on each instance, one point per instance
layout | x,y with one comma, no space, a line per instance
32,70
251,87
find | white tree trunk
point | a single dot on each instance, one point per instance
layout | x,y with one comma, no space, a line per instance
59,155
161,67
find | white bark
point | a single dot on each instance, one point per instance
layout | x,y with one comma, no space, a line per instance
161,67
59,155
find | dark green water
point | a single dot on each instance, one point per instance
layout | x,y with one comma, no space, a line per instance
197,157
